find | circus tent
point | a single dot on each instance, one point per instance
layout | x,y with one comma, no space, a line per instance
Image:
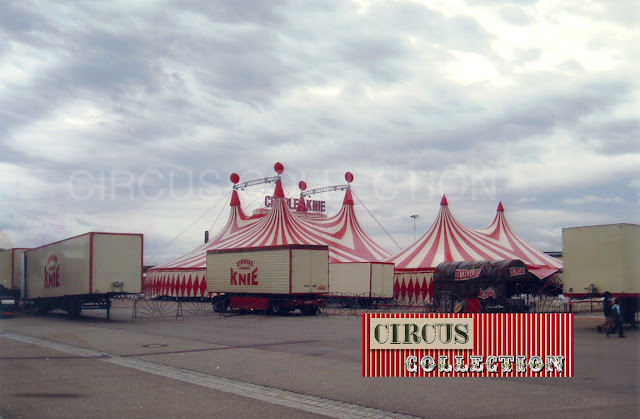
185,276
346,239
538,263
448,240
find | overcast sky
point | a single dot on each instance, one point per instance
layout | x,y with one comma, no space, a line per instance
129,116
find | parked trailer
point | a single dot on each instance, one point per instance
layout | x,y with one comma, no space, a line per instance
82,272
11,268
275,279
490,286
362,283
10,279
603,258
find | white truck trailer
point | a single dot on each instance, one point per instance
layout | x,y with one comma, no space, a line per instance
603,258
11,268
365,284
82,272
274,279
10,279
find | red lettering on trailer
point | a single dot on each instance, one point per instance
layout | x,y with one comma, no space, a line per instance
52,272
246,278
244,263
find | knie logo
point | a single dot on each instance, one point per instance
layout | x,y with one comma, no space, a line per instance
52,272
245,273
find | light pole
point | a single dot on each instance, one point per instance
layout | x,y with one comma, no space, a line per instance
414,216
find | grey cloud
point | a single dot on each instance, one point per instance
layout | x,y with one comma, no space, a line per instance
380,59
235,12
221,86
515,15
614,137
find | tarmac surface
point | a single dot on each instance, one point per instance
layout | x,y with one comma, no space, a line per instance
263,366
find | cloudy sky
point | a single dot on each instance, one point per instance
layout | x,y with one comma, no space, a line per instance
129,116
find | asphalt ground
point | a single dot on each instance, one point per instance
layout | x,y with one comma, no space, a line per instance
263,366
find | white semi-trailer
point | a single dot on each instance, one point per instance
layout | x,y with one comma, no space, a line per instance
10,279
82,272
365,283
11,268
603,258
275,279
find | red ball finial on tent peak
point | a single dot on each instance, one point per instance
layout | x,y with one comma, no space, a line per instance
500,207
302,185
234,178
348,177
278,167
443,201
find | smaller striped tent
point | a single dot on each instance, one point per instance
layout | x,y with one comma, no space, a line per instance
538,263
448,240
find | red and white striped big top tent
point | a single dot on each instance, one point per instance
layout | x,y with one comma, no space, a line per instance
185,276
447,240
538,263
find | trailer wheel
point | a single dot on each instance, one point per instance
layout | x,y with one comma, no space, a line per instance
42,308
74,309
220,305
275,307
309,311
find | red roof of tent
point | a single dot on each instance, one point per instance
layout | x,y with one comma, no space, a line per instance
447,240
346,239
280,226
538,263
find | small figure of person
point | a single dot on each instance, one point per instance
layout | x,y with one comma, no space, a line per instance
606,309
616,314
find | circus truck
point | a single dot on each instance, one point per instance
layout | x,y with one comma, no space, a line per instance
10,278
276,279
603,258
82,272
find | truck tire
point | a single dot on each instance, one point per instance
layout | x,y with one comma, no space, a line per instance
74,309
220,305
42,308
309,311
275,307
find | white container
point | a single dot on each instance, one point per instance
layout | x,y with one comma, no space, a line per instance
93,263
364,279
11,268
606,257
283,270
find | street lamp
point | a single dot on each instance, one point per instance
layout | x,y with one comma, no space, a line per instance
414,216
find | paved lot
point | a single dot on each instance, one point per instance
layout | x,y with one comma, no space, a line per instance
262,366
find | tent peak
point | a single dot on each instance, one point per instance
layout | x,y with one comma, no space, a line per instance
348,198
235,199
278,192
443,201
500,207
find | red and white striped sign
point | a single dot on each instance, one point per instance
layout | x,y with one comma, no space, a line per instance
504,345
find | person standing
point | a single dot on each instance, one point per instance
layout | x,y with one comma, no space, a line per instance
616,314
606,309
